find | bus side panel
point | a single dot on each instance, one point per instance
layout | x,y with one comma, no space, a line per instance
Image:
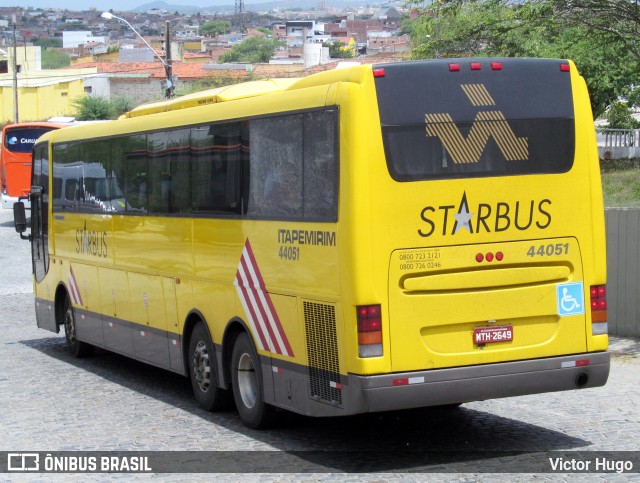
586,148
148,312
116,310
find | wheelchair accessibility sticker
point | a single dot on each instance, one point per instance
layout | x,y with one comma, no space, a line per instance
570,298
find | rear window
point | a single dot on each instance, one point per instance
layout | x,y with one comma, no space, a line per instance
22,140
515,118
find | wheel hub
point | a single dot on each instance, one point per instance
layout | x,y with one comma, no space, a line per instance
201,366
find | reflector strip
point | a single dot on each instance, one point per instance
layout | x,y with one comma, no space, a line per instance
258,306
408,380
335,385
276,369
73,288
580,363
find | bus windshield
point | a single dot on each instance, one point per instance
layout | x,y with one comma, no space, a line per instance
22,139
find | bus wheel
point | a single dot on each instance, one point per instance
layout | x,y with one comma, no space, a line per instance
75,346
202,371
247,385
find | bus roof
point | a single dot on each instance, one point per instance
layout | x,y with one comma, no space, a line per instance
219,94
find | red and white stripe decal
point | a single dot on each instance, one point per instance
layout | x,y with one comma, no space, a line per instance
73,288
258,305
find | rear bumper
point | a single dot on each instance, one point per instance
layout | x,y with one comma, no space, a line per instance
490,381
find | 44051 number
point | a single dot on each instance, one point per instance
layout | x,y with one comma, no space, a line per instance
289,253
549,250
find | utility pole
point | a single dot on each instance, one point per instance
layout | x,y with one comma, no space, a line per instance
168,69
14,66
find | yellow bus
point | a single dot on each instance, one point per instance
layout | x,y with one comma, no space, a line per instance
364,239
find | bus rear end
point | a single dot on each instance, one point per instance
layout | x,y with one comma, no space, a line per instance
487,236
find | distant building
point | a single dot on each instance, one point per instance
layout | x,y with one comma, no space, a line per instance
73,39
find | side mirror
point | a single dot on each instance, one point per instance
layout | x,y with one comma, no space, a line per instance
20,219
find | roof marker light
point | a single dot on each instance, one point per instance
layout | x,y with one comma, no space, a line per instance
565,67
496,65
475,66
454,67
378,72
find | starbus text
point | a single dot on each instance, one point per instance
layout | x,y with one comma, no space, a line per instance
501,216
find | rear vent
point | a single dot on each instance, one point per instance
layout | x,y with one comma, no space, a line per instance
322,350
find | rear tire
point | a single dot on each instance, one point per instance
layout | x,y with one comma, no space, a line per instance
76,347
202,371
248,385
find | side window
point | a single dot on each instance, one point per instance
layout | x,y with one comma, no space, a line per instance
320,165
178,185
294,166
135,170
158,173
217,152
276,163
283,166
68,177
96,164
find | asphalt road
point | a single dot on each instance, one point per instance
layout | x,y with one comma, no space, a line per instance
52,403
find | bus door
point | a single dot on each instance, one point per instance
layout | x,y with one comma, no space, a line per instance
40,236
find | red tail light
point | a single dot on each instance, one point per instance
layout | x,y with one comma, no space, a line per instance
599,314
369,330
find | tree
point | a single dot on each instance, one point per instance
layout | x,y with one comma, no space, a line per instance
67,27
96,108
218,79
619,116
616,19
253,50
54,59
213,28
538,28
337,50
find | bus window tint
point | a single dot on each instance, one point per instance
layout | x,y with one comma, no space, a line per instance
216,160
276,167
21,140
67,173
320,167
135,163
283,166
177,171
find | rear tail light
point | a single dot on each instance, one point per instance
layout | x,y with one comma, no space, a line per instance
369,330
599,314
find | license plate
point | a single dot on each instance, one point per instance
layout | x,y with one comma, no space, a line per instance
485,335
